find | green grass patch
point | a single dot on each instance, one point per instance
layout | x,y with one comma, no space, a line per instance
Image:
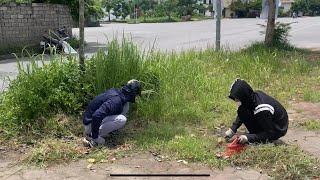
311,125
194,148
312,96
280,162
53,151
157,134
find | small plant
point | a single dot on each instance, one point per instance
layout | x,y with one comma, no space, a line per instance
281,33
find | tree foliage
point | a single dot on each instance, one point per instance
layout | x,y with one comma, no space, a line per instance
242,8
92,7
154,8
308,7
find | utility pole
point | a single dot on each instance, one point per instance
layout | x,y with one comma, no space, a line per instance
81,31
218,24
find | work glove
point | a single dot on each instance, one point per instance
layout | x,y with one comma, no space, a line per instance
229,133
96,142
242,139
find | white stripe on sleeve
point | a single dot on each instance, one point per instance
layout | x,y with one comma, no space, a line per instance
264,107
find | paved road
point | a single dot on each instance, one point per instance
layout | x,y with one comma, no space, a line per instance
236,33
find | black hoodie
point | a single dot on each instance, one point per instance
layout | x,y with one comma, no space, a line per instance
264,112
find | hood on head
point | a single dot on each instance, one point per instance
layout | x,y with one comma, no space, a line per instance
131,90
242,91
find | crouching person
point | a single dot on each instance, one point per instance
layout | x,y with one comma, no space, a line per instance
263,116
107,112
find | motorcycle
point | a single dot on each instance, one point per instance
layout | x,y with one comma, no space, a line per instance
57,42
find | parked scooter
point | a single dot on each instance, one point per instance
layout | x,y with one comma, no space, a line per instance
57,42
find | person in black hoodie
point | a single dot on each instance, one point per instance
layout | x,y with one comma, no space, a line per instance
107,112
263,116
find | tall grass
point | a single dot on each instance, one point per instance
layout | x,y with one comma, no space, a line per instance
189,88
115,67
194,85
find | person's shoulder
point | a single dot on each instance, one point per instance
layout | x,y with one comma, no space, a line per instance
112,91
263,103
263,97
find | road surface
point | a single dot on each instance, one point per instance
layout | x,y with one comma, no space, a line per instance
236,34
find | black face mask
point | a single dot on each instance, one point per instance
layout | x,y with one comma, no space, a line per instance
242,91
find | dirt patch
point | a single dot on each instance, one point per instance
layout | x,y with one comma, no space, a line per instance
137,163
304,111
308,140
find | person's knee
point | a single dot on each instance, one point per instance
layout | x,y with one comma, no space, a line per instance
121,119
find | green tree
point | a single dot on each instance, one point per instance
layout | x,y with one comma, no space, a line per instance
92,7
147,5
109,5
170,7
186,7
300,5
309,7
242,8
200,7
255,5
121,9
314,7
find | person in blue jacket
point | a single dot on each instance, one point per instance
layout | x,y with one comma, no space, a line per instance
107,112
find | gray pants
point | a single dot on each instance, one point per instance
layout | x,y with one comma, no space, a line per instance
110,123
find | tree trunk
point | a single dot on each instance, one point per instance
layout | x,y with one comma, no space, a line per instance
271,22
81,32
109,16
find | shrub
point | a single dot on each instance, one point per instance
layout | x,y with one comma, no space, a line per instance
41,89
281,33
